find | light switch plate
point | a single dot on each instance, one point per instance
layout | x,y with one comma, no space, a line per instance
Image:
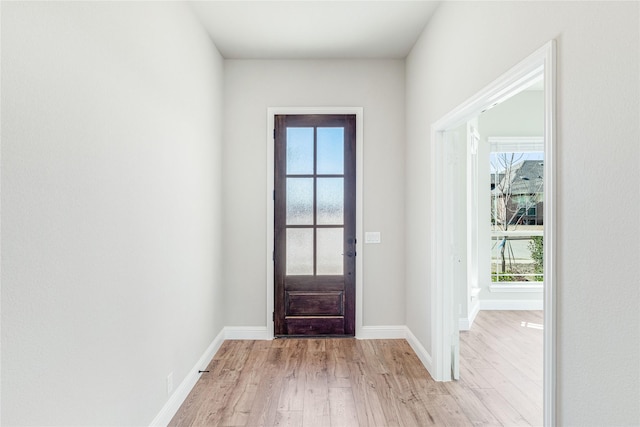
372,237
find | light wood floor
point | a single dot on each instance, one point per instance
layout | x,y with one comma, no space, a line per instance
348,382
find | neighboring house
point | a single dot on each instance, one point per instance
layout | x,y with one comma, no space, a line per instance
522,187
496,178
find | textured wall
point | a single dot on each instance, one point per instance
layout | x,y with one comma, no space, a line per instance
111,134
466,46
252,87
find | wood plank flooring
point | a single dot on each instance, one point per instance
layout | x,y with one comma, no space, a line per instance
377,383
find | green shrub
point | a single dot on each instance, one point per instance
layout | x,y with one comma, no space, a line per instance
536,246
507,277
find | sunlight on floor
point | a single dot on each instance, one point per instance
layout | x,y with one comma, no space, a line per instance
531,325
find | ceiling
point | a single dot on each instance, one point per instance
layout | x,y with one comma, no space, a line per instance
301,29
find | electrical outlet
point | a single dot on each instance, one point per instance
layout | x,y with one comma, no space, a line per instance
169,384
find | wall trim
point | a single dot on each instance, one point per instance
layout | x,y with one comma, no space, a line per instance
465,323
182,391
420,351
509,304
246,333
388,332
517,287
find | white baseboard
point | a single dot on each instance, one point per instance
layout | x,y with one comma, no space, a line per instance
474,312
382,332
246,333
511,304
420,351
465,323
182,391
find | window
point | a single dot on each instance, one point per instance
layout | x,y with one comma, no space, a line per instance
517,211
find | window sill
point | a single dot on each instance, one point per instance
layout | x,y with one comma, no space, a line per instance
516,287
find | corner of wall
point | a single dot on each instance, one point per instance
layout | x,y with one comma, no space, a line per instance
181,393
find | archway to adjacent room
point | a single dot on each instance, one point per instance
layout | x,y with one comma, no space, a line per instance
445,219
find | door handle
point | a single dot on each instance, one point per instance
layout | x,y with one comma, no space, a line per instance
351,254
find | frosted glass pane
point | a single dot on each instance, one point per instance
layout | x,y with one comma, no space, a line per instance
299,251
299,151
299,201
331,151
330,249
330,208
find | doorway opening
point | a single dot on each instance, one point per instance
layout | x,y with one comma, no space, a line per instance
448,252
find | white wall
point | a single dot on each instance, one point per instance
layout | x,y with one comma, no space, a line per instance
111,134
252,87
520,115
466,46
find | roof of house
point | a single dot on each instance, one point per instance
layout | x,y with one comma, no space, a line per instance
527,177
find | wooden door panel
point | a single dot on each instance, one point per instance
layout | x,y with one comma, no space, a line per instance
327,303
304,283
315,326
314,253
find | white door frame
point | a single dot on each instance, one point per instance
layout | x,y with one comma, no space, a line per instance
271,113
513,81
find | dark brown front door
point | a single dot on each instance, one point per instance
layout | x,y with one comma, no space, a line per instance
315,225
